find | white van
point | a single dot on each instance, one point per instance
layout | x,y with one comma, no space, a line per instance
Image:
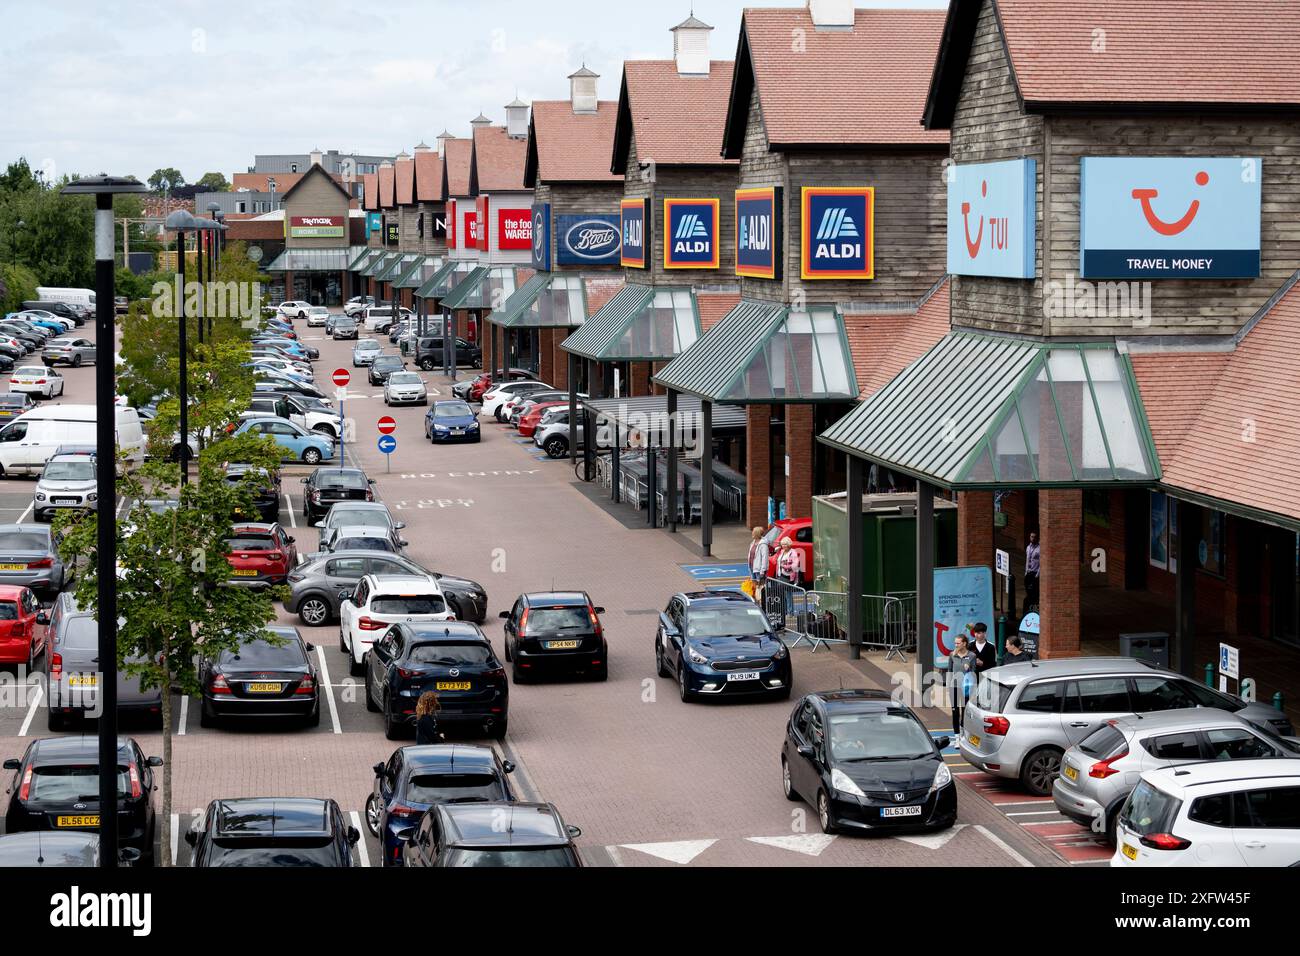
28,442
80,298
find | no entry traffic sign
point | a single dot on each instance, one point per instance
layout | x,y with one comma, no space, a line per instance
387,444
386,425
341,377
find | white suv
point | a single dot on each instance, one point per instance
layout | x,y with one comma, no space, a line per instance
381,600
294,309
498,395
379,318
1239,813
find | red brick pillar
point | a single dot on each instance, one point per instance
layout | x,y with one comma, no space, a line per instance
975,528
1060,521
758,462
639,373
799,446
488,343
545,356
655,387
559,357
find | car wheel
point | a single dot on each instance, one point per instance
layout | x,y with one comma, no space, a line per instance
556,447
356,668
1040,769
507,643
824,815
370,697
372,814
313,719
76,361
499,729
427,365
786,783
343,643
312,456
517,675
327,431
392,729
206,717
683,691
601,673
661,664
314,611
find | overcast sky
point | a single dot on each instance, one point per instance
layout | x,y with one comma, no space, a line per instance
128,86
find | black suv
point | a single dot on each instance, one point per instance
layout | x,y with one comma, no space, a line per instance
266,493
491,834
428,353
272,831
550,631
383,366
330,484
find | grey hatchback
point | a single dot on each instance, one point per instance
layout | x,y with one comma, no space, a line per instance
29,556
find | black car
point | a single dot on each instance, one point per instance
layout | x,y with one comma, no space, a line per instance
61,309
30,340
329,484
451,658
272,831
491,835
550,631
262,678
266,488
68,848
719,643
866,762
56,787
383,366
428,353
415,778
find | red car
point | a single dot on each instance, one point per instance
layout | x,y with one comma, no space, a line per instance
800,532
484,382
19,641
528,423
260,555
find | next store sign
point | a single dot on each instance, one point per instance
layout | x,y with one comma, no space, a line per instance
837,230
1170,217
992,219
759,234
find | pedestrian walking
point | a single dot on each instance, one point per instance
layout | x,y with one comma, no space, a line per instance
1015,651
986,655
961,678
1032,560
426,719
789,563
759,557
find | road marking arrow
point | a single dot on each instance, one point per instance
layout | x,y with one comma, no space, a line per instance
934,841
683,851
809,844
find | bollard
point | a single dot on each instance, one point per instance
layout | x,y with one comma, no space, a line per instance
1001,629
1277,700
1209,675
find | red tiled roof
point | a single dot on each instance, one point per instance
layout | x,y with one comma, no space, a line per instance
404,170
370,186
574,147
456,166
1173,387
428,176
714,305
883,344
862,86
1192,51
386,187
677,119
601,290
499,159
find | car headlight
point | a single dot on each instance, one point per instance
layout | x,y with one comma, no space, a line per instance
781,653
695,656
92,497
440,428
841,782
40,496
473,426
942,777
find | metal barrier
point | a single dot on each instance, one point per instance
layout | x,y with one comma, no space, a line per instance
820,618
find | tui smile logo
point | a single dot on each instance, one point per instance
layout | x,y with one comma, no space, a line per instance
973,247
1144,196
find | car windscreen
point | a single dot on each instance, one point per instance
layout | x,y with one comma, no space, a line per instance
1149,810
1208,697
80,632
558,618
891,735
368,344
341,516
549,856
341,479
71,783
454,788
728,621
248,542
364,544
305,852
384,361
450,655
404,378
261,653
69,471
24,541
407,604
451,410
1102,742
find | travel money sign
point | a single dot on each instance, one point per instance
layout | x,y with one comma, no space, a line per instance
992,219
837,232
759,232
691,233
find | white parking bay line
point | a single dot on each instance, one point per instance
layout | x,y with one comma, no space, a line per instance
293,519
329,689
23,517
31,711
1034,813
998,841
175,835
361,844
185,716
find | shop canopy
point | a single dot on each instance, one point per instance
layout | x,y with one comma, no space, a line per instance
310,260
358,256
649,412
379,264
419,272
982,411
763,352
641,323
397,266
545,301
446,278
485,288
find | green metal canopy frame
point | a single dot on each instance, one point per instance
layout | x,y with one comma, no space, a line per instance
310,260
981,411
642,323
361,258
397,266
442,281
414,276
379,264
546,301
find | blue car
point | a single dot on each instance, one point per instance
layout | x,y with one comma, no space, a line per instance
58,328
296,443
289,346
452,420
415,778
720,644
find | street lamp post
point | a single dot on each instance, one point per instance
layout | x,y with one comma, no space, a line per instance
181,221
214,210
103,189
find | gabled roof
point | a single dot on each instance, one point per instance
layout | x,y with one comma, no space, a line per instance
885,343
676,120
428,177
497,161
455,167
386,190
370,184
860,87
314,173
404,172
564,146
1158,54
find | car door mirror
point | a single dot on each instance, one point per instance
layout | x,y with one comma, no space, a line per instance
599,610
399,525
378,769
508,766
290,538
12,763
404,543
806,752
504,615
128,856
319,524
310,647
574,832
192,836
942,742
354,837
305,480
405,834
155,761
370,481
345,595
42,618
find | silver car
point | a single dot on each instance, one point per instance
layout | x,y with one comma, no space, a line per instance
352,513
68,350
1100,772
317,316
365,352
1023,717
68,481
405,388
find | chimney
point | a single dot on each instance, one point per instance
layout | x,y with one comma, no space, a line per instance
402,156
517,119
582,90
691,47
442,142
317,157
831,14
479,120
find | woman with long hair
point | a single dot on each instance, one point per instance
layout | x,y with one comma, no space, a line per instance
426,719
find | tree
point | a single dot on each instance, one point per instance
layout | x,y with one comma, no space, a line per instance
213,182
169,175
17,285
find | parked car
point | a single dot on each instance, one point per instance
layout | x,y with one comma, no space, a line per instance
270,381
365,538
69,350
405,388
316,316
491,835
289,348
302,410
20,613
260,554
295,370
494,399
379,318
356,513
552,432
266,488
1099,772
29,557
67,481
316,583
358,304
451,420
56,850
1217,814
428,352
378,601
296,443
474,388
56,787
263,676
866,763
325,487
383,366
1023,717
720,644
800,533
13,404
293,309
415,778
532,414
515,409
549,631
36,380
343,327
60,310
273,831
365,352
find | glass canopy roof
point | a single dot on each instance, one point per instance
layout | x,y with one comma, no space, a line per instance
310,260
545,301
642,323
419,272
446,278
484,288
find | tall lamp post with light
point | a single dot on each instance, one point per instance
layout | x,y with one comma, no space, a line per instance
103,188
214,209
180,222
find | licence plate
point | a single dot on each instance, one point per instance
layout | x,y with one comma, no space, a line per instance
244,574
264,688
1129,851
84,680
452,685
974,740
562,645
900,811
743,675
1071,772
65,501
86,820
458,431
13,567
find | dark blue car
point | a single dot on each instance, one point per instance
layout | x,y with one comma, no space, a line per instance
451,420
720,644
416,778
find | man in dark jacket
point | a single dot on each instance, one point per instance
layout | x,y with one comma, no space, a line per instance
986,655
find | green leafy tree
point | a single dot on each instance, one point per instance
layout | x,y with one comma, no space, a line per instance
213,182
17,285
169,175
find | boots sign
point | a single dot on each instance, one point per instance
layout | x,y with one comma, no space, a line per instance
587,239
991,219
836,228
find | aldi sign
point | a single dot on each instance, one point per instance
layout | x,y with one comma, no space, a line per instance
634,223
316,227
837,225
691,233
992,219
541,236
759,239
1169,217
587,239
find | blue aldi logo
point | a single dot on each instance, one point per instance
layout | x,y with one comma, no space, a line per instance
691,233
837,229
589,239
634,219
759,238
